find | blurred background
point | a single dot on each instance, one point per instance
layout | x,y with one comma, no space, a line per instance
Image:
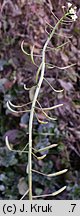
28,20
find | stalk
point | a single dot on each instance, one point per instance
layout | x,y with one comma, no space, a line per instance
34,104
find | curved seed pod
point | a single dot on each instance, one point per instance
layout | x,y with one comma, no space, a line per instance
58,173
32,56
27,89
41,122
12,110
50,66
52,86
22,48
45,113
46,148
18,106
58,47
9,147
51,174
52,194
39,158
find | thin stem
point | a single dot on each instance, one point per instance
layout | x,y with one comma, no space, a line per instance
31,123
24,194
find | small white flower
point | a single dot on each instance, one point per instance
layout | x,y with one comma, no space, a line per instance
63,7
74,17
69,4
75,8
72,13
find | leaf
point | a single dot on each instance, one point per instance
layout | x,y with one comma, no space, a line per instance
31,93
22,186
